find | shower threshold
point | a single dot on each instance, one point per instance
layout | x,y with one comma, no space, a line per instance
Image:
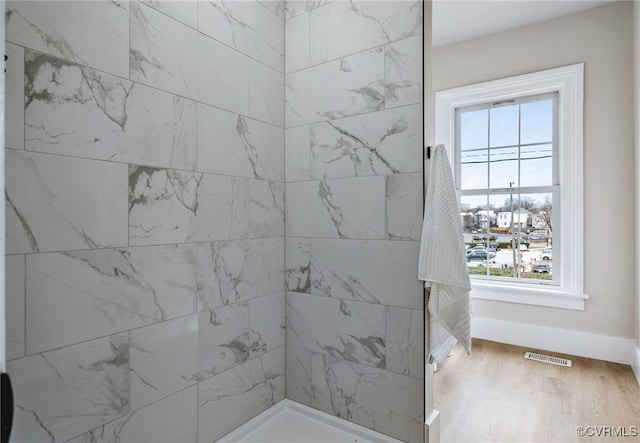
291,422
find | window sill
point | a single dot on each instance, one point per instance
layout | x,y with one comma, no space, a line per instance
549,297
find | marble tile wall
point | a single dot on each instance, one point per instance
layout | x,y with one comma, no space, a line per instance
145,217
353,118
153,275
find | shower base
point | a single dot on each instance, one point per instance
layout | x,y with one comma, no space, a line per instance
291,422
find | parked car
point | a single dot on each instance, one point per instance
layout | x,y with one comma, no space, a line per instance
542,268
493,247
477,255
546,254
481,248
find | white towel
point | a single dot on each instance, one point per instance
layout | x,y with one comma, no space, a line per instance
443,264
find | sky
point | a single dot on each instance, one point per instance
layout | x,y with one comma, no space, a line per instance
497,134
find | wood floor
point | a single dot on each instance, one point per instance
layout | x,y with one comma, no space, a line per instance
495,395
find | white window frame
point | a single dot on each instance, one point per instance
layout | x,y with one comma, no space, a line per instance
568,81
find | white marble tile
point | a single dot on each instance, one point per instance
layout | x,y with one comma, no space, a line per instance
349,330
76,296
238,270
378,143
404,206
275,6
171,206
266,91
14,306
235,145
347,86
298,377
403,72
297,44
239,394
298,264
405,352
294,8
220,271
164,359
266,323
14,97
72,110
343,28
208,71
69,391
59,203
266,209
240,203
248,27
94,34
384,401
172,419
219,215
223,339
346,208
416,344
264,267
297,154
169,356
375,271
185,11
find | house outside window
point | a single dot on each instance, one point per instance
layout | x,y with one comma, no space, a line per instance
516,150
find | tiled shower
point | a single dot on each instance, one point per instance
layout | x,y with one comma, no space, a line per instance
201,223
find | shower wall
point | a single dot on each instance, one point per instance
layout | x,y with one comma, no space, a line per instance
354,306
145,218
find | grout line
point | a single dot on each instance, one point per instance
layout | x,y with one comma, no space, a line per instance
351,54
151,166
206,242
235,304
24,293
357,114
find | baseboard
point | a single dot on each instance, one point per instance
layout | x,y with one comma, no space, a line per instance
636,364
565,341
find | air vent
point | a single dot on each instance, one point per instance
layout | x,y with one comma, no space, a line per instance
548,359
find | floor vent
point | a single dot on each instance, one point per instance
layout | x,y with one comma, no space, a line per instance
548,359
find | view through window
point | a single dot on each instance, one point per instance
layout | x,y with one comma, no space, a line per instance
507,179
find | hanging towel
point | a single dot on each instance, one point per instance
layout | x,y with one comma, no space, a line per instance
442,264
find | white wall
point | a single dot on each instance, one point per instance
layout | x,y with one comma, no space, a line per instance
602,39
636,60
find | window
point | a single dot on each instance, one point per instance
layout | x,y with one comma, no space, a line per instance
516,150
506,171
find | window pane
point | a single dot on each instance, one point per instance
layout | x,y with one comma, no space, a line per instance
471,207
477,219
536,165
503,168
536,122
538,256
502,264
474,129
474,170
504,126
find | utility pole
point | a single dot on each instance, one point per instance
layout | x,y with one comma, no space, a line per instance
513,237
